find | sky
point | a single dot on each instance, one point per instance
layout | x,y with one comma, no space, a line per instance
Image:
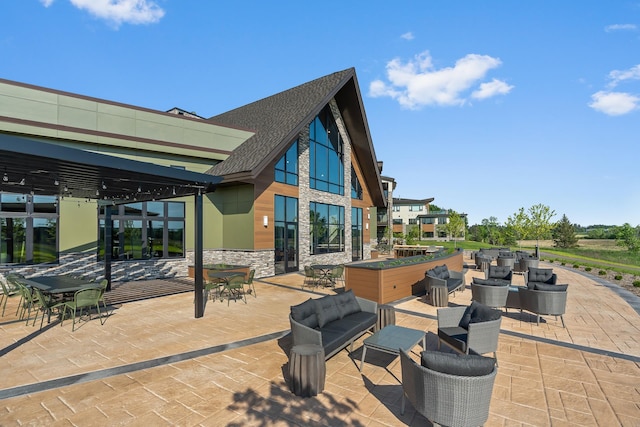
487,107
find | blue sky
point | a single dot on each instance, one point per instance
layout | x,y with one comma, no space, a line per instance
485,106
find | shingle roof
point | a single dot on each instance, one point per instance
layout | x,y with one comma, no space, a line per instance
278,119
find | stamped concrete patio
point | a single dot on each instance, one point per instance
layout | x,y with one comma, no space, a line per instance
152,363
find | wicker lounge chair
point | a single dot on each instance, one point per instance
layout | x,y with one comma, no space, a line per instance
445,398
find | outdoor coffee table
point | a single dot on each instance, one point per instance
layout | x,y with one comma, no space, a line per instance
391,338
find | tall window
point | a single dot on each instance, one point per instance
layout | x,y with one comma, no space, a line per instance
326,150
356,188
327,228
356,234
145,230
286,234
286,169
28,229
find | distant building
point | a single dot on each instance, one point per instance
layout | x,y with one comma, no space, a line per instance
417,213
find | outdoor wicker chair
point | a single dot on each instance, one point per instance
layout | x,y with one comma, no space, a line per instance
446,398
492,294
545,302
473,329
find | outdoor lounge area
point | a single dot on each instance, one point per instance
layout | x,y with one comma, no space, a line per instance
152,363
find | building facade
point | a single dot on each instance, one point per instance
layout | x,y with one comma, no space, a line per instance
299,176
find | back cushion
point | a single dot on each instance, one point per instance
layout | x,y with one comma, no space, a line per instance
347,303
488,282
482,313
442,272
540,274
499,271
326,310
468,365
466,316
305,313
547,287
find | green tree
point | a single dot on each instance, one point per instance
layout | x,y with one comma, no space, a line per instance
628,236
518,224
564,234
489,230
539,224
455,226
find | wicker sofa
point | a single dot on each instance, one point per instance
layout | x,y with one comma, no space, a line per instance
333,321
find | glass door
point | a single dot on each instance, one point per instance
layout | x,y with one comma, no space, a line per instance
285,234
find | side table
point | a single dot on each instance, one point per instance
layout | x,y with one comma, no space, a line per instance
386,316
307,370
439,296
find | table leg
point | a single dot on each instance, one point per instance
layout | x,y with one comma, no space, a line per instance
364,351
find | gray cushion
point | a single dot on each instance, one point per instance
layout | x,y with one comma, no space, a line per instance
478,312
468,365
483,313
347,303
490,282
548,287
305,313
540,274
442,271
326,310
499,271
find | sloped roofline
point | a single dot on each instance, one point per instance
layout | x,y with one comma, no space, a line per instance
347,94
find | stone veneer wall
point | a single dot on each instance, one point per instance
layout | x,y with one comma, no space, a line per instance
86,265
260,260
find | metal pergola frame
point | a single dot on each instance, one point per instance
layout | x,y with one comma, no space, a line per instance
38,167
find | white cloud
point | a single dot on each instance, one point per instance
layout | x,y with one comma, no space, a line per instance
614,103
407,36
620,27
493,88
617,76
119,11
417,82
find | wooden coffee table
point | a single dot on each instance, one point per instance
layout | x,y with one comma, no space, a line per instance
391,338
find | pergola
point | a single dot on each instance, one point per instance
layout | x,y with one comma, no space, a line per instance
44,168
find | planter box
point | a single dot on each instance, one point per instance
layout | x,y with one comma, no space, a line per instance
385,281
218,267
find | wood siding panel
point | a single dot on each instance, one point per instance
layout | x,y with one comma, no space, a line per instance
265,191
394,283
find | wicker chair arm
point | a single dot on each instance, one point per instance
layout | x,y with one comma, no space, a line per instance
303,334
483,336
367,305
457,275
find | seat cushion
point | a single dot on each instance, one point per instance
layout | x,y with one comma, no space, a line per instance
337,333
305,313
453,284
547,287
326,310
455,336
468,365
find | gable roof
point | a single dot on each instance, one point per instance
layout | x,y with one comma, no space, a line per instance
399,201
278,119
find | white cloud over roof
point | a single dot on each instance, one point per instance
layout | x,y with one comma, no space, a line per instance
118,12
618,76
620,27
614,103
407,36
417,82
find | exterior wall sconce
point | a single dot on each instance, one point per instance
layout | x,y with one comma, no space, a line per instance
366,226
265,221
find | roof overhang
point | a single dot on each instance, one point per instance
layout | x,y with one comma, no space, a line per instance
46,168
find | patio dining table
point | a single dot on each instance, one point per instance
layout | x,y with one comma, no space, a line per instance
58,284
324,271
223,277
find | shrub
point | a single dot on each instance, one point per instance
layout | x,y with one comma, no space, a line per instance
562,263
550,261
636,283
618,277
587,269
576,266
602,273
